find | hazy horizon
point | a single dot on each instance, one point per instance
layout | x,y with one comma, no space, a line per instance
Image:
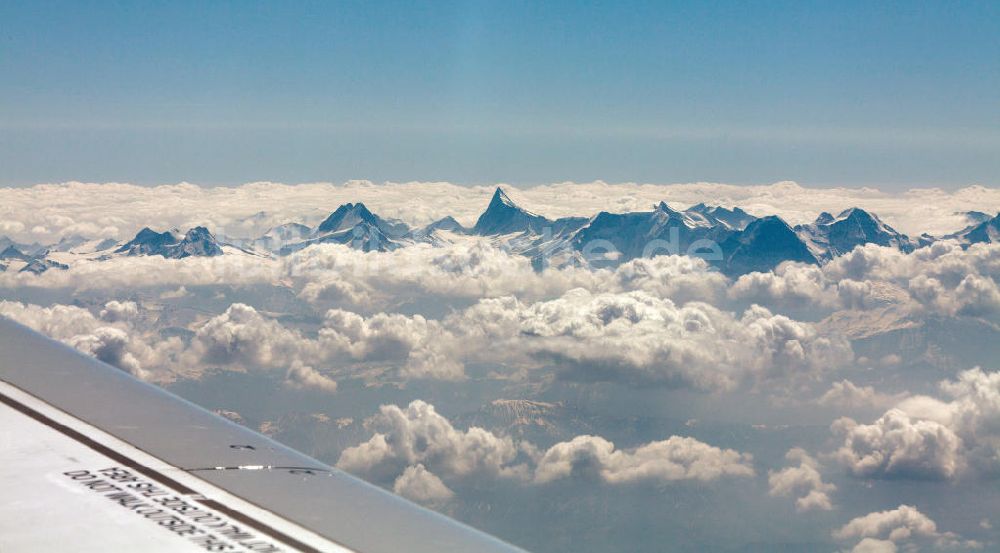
894,95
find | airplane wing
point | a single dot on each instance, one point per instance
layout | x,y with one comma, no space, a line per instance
92,459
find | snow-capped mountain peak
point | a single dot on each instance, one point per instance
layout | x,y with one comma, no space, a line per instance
11,252
735,218
988,231
350,215
824,218
149,242
503,216
763,245
831,236
346,216
197,241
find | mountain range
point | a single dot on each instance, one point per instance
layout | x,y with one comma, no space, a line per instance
732,240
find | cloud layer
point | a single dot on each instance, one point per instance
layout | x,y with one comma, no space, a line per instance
47,211
418,451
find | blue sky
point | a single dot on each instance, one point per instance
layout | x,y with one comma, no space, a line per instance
857,93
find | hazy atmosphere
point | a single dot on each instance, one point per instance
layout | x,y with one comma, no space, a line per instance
522,360
625,277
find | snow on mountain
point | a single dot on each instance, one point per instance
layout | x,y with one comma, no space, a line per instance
351,225
763,245
149,242
830,236
730,239
82,245
29,249
363,236
40,265
733,240
12,252
441,232
448,223
735,218
67,243
503,216
987,231
976,217
824,218
198,242
12,258
277,237
661,231
351,215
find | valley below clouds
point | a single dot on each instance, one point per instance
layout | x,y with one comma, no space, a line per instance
826,379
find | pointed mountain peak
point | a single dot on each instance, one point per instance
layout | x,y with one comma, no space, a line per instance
503,216
771,222
172,243
662,206
146,232
198,233
975,217
824,218
856,214
501,199
148,236
360,208
347,216
446,223
11,252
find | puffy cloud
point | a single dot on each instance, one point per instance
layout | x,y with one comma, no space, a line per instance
942,279
418,450
804,482
242,336
790,284
419,435
119,311
946,261
642,339
180,292
421,485
630,337
872,545
109,345
678,277
975,295
848,395
115,343
925,437
974,413
896,446
11,227
676,458
905,524
304,377
59,322
481,269
151,272
331,274
421,346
